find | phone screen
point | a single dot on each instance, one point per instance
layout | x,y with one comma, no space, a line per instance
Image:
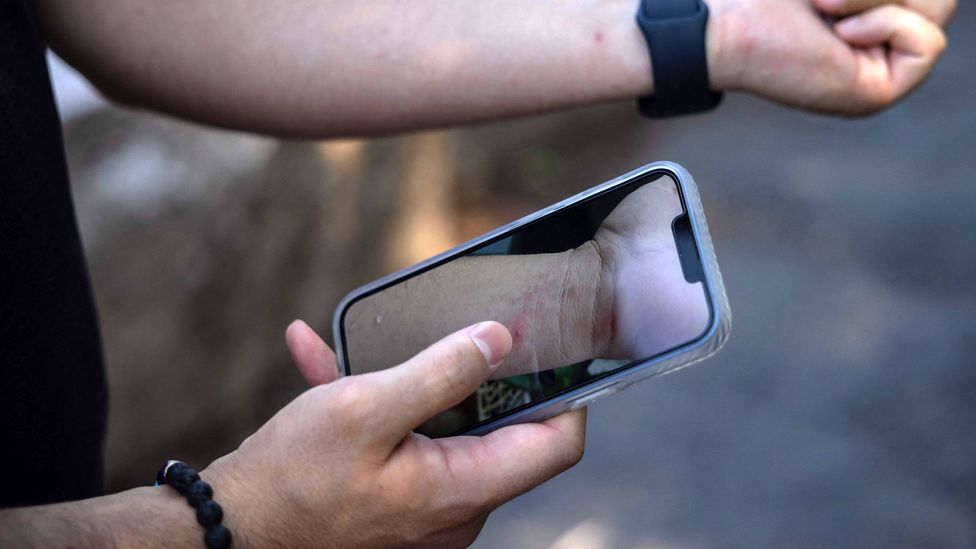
585,291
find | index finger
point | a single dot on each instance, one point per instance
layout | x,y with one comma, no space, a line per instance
514,459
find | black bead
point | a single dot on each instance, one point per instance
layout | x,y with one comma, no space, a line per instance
181,476
209,512
175,470
217,537
198,492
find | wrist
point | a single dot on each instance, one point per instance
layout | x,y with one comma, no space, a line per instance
242,514
721,43
147,517
160,516
589,265
140,517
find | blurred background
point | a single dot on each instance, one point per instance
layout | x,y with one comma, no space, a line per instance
841,413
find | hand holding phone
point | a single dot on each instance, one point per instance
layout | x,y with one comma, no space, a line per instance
340,463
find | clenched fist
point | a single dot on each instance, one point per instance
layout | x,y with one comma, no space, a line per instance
848,57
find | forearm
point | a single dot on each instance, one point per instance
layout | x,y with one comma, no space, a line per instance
143,517
553,304
326,68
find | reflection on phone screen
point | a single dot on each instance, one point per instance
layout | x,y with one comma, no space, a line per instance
586,291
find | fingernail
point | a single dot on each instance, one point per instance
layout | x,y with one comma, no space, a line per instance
492,342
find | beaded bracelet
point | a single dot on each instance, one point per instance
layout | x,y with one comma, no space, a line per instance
199,495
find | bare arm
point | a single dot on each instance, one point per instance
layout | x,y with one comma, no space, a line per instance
557,307
331,67
328,67
147,517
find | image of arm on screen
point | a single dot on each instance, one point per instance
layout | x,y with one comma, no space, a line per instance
620,295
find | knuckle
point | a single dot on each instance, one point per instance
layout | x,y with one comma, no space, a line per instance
348,399
450,379
452,373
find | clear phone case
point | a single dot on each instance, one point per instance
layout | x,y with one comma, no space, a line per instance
714,337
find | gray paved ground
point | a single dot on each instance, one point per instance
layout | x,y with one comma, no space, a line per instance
843,410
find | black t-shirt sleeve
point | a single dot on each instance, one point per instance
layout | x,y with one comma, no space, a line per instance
52,382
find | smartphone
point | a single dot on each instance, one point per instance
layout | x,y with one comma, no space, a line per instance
609,287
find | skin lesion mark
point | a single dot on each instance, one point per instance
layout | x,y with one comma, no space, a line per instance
518,331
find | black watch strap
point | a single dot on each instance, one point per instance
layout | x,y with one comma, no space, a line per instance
675,34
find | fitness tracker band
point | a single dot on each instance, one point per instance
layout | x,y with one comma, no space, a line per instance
675,34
